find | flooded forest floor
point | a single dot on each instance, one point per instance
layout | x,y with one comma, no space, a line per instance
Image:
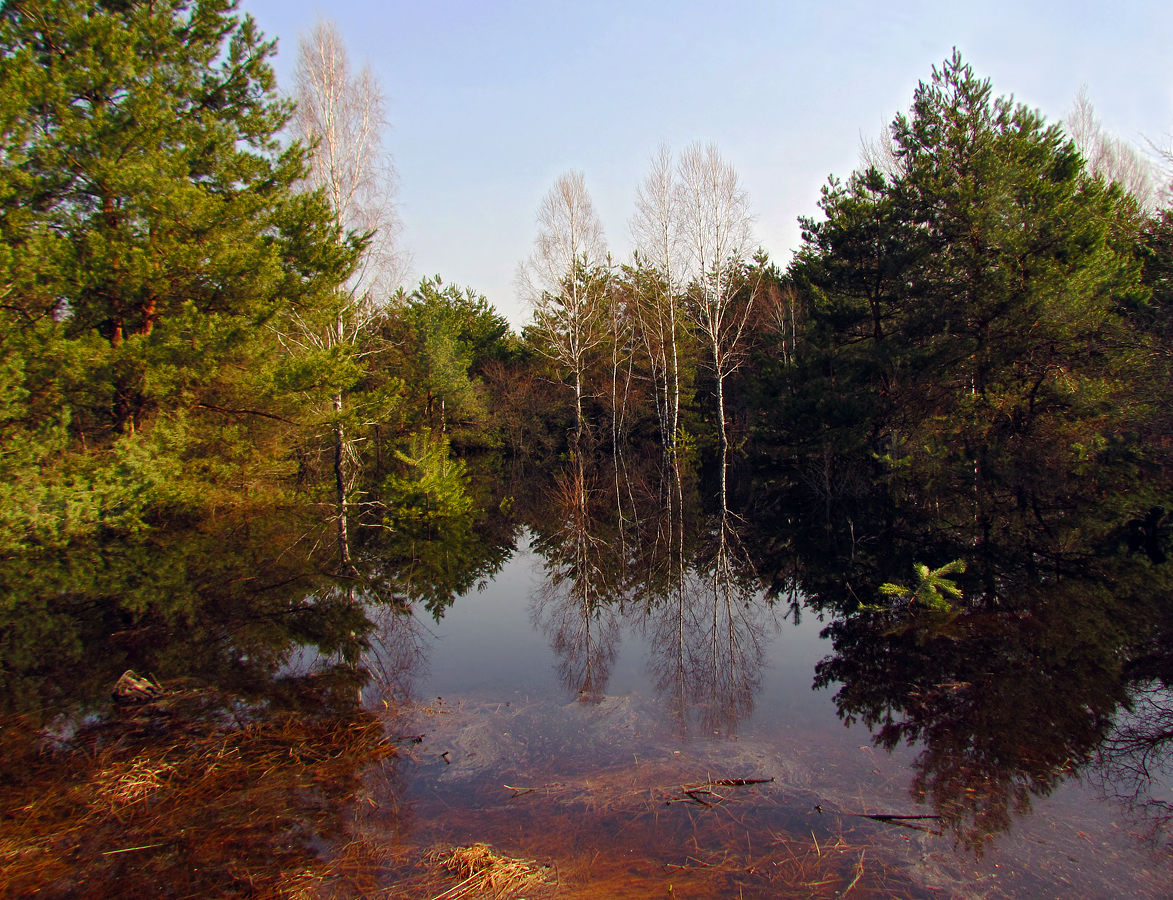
186,793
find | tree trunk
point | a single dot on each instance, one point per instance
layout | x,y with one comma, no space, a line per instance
340,485
724,438
577,408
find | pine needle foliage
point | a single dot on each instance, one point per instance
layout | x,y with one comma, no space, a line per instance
934,589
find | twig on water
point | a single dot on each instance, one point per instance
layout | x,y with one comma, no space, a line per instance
129,849
858,874
696,789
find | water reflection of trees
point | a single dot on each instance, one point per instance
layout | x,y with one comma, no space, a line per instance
429,561
707,632
1005,705
417,563
239,761
222,605
1134,764
1025,682
578,604
629,549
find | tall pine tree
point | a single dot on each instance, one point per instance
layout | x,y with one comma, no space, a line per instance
973,294
152,241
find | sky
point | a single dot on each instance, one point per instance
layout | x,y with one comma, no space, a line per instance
489,102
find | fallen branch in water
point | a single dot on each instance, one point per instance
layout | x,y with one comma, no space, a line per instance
695,795
887,817
694,791
729,782
518,791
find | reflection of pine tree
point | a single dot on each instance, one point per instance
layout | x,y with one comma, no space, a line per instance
1004,706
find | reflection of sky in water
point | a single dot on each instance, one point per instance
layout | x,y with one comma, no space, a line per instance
487,646
512,717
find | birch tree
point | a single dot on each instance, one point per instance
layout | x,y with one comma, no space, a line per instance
656,233
1111,158
341,117
715,233
565,282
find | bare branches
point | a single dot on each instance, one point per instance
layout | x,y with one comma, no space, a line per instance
879,153
656,234
715,219
656,227
565,280
342,116
570,239
1111,158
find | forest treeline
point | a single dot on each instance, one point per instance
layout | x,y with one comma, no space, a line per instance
200,319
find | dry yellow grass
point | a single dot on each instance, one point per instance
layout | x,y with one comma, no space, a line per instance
485,873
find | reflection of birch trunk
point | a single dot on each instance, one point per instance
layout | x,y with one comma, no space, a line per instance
737,621
707,633
575,606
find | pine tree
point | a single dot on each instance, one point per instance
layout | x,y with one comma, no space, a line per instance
974,294
152,237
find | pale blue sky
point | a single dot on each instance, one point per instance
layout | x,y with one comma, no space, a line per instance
489,102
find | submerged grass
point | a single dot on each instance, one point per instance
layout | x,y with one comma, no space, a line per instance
615,833
191,794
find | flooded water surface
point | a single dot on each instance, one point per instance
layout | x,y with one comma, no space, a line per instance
584,696
752,783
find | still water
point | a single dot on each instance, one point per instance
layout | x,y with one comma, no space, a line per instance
603,693
514,752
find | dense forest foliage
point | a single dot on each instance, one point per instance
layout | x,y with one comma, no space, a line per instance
191,329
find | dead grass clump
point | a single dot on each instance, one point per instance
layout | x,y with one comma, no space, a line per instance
484,873
127,783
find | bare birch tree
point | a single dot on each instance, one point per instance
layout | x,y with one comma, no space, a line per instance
565,282
1110,157
715,229
880,153
656,235
341,117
